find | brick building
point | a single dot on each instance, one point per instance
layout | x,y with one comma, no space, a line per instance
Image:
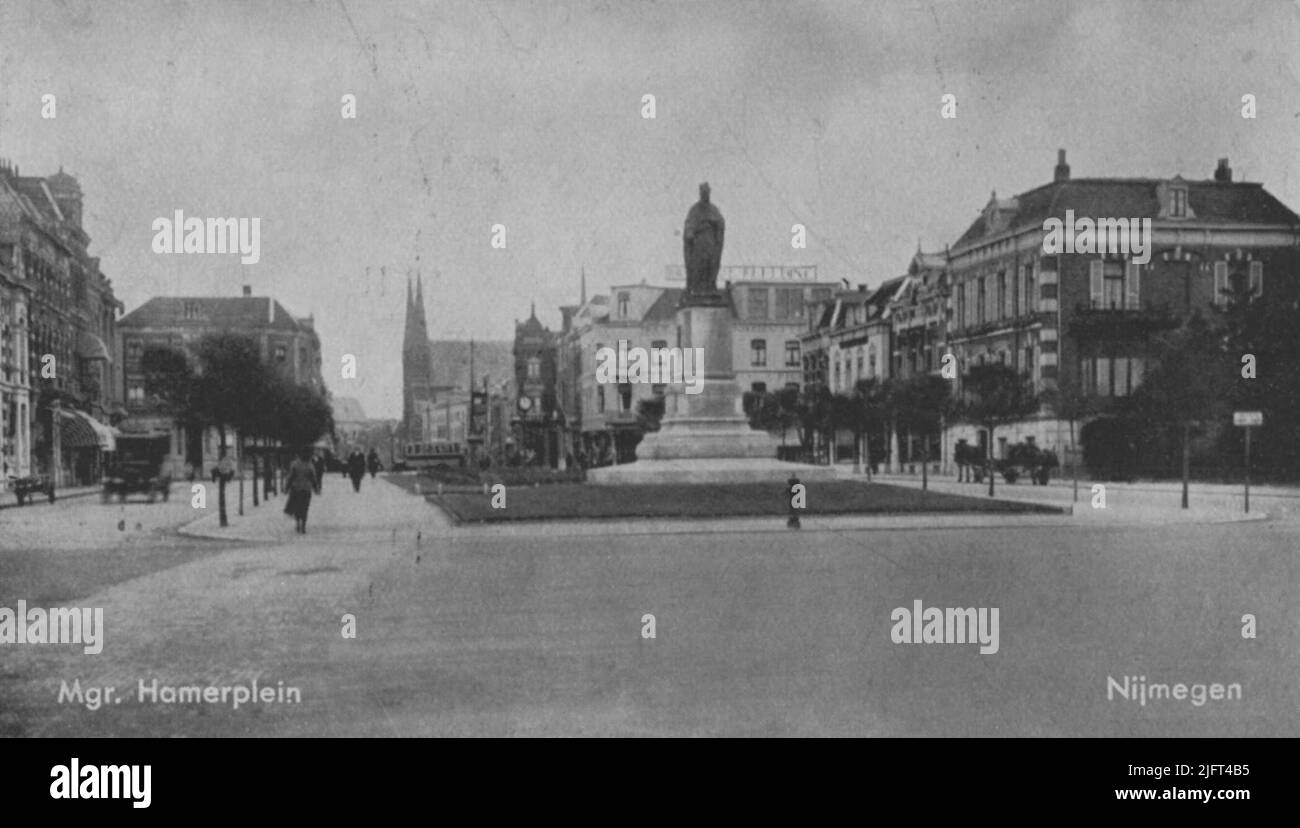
1083,321
288,344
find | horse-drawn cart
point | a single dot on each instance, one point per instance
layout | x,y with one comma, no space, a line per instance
1022,460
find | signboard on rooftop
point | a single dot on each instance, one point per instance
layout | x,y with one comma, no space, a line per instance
751,273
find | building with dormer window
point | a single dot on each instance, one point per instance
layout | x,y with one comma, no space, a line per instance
1082,321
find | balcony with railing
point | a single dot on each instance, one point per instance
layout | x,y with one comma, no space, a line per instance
1120,322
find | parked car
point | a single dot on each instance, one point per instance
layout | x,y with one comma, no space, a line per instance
136,477
138,467
34,484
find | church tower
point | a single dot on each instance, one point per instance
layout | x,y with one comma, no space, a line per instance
417,370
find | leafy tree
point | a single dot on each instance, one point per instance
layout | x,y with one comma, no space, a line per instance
1189,387
919,405
1071,404
299,415
871,415
844,412
1267,333
230,391
813,413
171,382
169,378
995,394
783,410
764,411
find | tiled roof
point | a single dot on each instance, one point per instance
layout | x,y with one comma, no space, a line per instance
238,312
1223,202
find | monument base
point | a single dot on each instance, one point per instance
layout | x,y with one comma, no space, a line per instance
691,438
705,436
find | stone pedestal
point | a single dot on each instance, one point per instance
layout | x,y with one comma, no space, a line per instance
705,437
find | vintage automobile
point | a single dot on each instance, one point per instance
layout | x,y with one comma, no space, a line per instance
136,477
138,468
35,484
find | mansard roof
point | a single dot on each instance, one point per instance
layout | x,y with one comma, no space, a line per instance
1218,202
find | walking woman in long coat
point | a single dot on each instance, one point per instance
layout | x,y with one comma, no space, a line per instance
301,483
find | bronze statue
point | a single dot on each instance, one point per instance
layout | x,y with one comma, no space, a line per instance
702,247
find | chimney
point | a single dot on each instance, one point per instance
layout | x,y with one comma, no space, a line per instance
248,290
1062,171
1223,172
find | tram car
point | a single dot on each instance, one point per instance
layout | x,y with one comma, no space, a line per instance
421,456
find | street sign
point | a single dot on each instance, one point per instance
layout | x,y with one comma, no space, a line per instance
1249,419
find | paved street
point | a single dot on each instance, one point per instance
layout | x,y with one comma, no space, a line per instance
536,630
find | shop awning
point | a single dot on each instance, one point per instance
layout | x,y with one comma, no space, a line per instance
92,347
80,430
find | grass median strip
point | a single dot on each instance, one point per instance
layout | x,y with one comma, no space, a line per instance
581,501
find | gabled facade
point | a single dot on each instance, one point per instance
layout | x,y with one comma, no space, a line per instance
848,340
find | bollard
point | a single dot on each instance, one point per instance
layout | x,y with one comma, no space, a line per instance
793,521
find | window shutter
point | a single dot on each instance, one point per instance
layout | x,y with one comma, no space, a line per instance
1220,282
1095,282
1256,280
1133,297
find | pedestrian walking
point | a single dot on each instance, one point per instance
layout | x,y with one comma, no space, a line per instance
301,483
356,468
372,463
318,466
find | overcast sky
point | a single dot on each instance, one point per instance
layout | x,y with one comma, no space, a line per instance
529,115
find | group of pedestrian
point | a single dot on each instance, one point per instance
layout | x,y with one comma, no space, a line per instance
307,473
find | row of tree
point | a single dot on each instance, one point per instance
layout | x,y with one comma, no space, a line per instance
228,387
992,395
